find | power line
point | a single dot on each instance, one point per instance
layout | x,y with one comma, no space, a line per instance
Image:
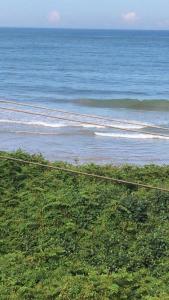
84,115
118,181
85,122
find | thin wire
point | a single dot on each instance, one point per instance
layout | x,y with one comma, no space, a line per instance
81,122
84,115
119,181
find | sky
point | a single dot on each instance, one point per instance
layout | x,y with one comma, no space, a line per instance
105,14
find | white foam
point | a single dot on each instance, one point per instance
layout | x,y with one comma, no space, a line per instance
131,136
47,124
33,123
91,126
72,123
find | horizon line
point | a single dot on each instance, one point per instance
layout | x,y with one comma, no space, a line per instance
84,28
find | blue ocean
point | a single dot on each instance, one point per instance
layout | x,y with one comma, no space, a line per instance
122,76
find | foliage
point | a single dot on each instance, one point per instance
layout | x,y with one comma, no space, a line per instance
71,237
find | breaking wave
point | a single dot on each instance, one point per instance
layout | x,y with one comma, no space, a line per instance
73,124
149,105
131,136
33,123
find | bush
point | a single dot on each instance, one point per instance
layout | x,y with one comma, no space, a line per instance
73,237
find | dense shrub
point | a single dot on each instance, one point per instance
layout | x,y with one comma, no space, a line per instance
71,237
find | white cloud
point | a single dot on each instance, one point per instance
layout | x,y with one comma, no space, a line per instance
54,17
130,17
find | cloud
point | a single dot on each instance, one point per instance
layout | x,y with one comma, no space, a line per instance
130,17
54,17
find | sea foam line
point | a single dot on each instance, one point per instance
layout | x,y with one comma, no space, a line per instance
58,125
47,124
33,123
131,136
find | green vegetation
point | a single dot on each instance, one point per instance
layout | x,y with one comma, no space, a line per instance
71,237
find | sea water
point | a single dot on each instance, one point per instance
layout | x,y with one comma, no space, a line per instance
119,75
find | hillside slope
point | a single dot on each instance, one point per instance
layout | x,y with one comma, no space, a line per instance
71,237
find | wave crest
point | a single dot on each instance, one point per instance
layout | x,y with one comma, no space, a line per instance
131,136
149,105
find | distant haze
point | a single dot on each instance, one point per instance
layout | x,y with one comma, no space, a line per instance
113,14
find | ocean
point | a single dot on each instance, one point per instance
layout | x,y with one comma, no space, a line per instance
122,76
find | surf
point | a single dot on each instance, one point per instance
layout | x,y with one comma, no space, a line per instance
138,136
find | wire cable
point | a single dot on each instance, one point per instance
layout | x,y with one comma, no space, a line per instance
114,180
85,122
84,115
